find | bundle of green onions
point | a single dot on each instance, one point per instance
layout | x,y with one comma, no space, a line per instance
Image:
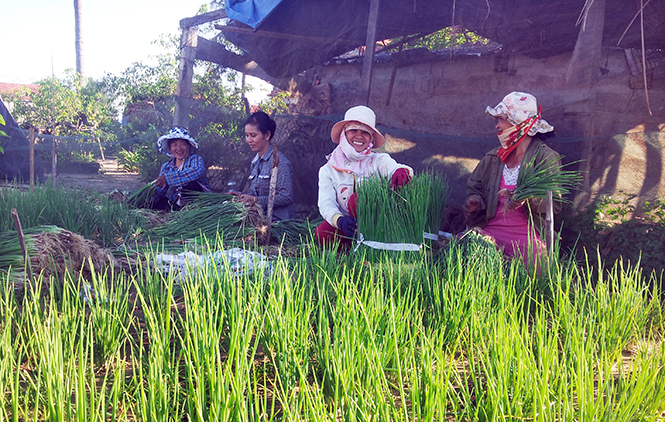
439,193
536,178
227,218
11,254
143,197
404,214
205,199
293,232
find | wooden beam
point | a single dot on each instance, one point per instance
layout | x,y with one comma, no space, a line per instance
188,42
281,35
370,43
201,19
584,66
214,52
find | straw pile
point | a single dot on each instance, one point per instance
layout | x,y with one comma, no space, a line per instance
53,251
60,251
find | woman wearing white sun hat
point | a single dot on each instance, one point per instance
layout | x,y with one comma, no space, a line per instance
184,171
351,161
489,206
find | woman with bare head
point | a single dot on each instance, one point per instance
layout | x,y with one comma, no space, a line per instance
259,131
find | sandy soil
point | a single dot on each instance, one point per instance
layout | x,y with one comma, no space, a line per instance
109,178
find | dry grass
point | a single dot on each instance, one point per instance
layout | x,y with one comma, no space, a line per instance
58,253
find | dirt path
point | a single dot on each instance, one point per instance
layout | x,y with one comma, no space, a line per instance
109,178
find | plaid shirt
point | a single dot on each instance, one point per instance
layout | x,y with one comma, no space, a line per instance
192,170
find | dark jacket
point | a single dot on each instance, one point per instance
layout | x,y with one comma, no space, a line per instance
485,180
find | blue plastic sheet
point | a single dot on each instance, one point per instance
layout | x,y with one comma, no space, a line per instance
250,12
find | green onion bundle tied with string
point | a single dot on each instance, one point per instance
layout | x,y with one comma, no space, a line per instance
404,214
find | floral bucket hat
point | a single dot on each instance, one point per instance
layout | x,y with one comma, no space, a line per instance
175,133
517,107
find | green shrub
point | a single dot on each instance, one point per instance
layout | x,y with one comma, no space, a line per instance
618,229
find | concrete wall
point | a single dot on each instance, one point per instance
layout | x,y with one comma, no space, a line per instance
434,115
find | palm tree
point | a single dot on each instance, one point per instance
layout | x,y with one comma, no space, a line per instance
78,39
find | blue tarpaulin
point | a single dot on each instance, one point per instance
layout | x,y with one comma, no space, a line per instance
250,12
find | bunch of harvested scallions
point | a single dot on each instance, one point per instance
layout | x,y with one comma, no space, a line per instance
228,219
536,178
195,199
439,193
293,232
401,215
143,197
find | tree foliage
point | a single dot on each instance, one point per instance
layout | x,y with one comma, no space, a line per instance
452,36
64,107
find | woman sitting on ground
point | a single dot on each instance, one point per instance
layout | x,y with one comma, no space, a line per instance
489,206
259,130
351,161
183,172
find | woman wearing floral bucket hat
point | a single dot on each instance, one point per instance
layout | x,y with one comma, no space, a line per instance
489,206
352,160
183,172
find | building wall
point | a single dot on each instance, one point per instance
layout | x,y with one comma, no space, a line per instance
434,115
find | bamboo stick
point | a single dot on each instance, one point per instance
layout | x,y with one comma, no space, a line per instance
549,219
21,239
273,190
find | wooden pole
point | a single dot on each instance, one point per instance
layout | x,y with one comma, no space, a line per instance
32,159
54,160
21,240
188,43
370,42
101,148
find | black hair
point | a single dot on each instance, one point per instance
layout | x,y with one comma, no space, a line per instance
263,122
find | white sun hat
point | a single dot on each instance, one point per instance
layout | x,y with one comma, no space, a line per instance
175,133
516,107
361,114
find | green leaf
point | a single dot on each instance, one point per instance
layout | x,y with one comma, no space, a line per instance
2,120
2,133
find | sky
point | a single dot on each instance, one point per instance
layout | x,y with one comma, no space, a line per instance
39,35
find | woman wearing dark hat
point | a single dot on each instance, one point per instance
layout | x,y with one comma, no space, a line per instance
351,161
489,205
259,130
184,171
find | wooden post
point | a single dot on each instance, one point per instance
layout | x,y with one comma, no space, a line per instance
188,42
370,42
584,66
549,220
101,148
54,160
32,159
